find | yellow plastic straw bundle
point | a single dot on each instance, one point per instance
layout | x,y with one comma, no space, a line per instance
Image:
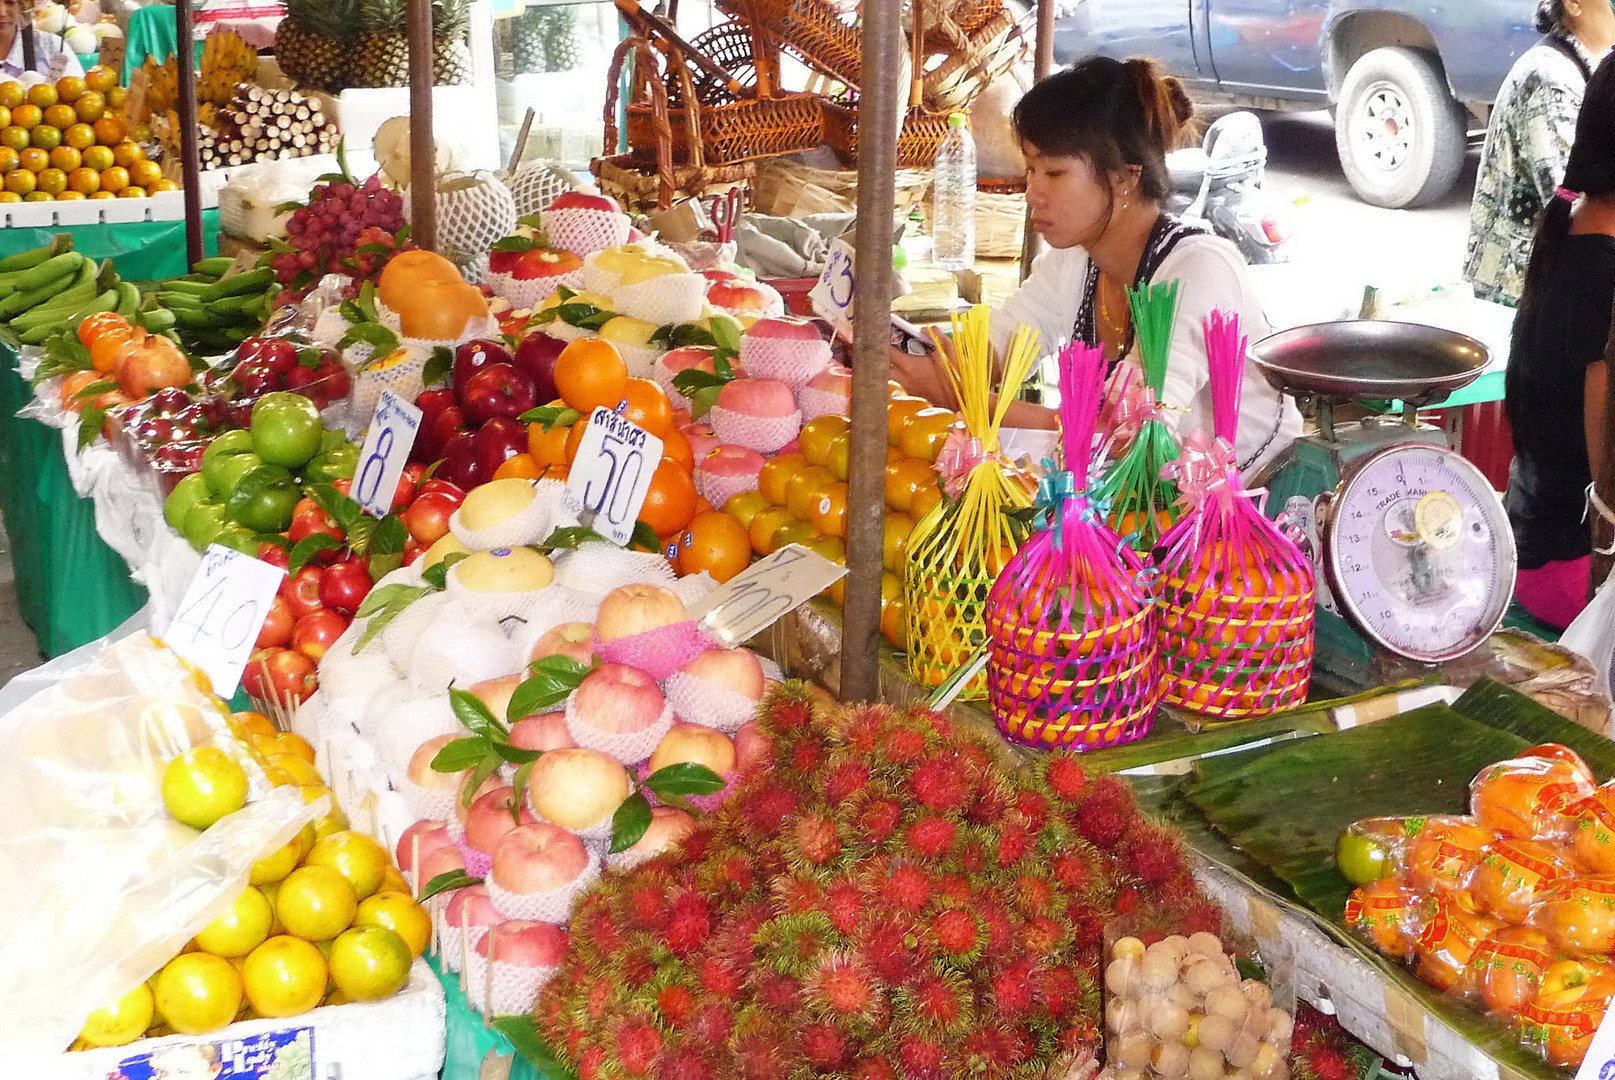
958,549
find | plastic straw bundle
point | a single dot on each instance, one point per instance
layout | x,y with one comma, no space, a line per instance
1072,637
958,549
1142,503
1237,600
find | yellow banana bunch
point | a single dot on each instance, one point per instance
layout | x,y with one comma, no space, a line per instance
226,61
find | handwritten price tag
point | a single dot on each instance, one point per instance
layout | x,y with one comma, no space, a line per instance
385,453
611,474
1599,1064
767,591
832,296
221,613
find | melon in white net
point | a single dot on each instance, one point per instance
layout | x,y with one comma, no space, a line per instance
473,211
535,184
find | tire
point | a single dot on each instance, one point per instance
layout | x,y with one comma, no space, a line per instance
1400,135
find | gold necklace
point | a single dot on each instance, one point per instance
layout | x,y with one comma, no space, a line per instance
1118,329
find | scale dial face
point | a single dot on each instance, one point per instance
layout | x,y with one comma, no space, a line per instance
1419,552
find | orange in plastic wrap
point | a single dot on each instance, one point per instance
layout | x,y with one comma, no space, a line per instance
1454,926
1387,913
1595,831
1443,851
1508,967
1568,1007
1513,875
1532,796
1578,915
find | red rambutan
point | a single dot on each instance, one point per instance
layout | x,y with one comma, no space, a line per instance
807,757
940,784
940,1001
685,1063
1105,814
879,819
906,888
761,1056
843,986
688,925
794,896
861,732
1000,933
589,1064
873,1068
1033,807
958,932
954,887
789,715
1065,778
920,1058
1013,991
1041,935
1201,914
931,837
816,839
765,811
844,904
637,1042
1126,901
1071,871
1329,1064
973,857
711,1023
675,1003
1033,894
1014,843
646,906
902,746
721,979
599,998
891,949
1060,991
694,846
823,1046
781,993
845,780
1152,855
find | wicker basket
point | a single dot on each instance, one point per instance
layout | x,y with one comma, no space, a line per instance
922,132
975,52
787,188
1000,218
811,30
626,179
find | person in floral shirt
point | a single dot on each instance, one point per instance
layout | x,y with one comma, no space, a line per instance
1528,141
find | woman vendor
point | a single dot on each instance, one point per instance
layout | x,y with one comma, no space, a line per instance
1095,137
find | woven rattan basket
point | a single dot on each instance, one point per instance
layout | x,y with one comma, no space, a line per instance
975,51
787,188
811,30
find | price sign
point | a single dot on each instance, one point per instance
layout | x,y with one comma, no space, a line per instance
832,296
771,588
221,613
611,474
385,453
1599,1064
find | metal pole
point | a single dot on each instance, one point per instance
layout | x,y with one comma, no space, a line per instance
25,27
422,154
190,160
1042,64
878,113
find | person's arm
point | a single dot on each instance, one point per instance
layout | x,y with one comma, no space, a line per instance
1593,409
1544,141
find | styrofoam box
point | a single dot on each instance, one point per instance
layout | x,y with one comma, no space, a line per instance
399,1038
159,206
463,117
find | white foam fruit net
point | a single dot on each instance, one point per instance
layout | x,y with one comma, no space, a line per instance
790,360
765,434
551,905
459,649
525,294
535,184
474,211
421,716
626,747
503,989
600,567
530,525
816,403
399,637
640,359
671,298
701,701
717,488
583,230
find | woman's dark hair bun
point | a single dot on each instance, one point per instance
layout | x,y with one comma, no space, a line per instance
1550,16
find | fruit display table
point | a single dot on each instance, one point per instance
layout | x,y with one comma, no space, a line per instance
144,250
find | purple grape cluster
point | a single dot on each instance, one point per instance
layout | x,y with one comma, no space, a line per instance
340,218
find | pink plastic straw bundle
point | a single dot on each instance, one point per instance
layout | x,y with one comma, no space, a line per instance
1072,639
1237,602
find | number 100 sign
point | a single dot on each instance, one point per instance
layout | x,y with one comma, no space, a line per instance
611,474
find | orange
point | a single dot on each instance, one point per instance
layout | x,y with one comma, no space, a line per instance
356,856
61,116
284,976
574,436
12,94
831,547
776,472
145,173
898,414
71,387
369,963
79,136
8,159
132,192
90,107
714,542
101,78
42,94
117,96
38,196
316,903
904,479
33,159
929,494
670,502
202,785
802,490
676,447
792,532
589,374
92,327
121,1022
52,181
648,407
5,116
14,137
98,157
300,771
65,158
109,131
69,88
763,527
828,514
273,867
894,623
103,195
817,436
27,116
744,505
894,541
45,137
165,185
114,179
925,433
397,911
239,928
547,447
104,349
127,152
10,197
524,466
198,992
68,196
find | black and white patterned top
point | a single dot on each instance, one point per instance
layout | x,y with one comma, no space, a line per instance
1164,236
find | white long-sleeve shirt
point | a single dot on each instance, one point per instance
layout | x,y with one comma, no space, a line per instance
1210,274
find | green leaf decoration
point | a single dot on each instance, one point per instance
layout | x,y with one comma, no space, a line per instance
345,510
550,684
518,795
95,389
1154,307
475,715
551,416
479,774
372,333
691,334
390,536
462,754
437,575
447,881
663,337
305,549
514,243
91,421
644,538
572,537
544,317
516,755
726,335
526,1041
382,606
629,823
685,778
255,483
439,368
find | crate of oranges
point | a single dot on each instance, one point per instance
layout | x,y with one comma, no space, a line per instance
66,141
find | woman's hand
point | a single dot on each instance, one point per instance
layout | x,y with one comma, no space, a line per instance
923,376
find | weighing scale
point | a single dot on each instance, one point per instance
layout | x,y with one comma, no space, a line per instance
1413,548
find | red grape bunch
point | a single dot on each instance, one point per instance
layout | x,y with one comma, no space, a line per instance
340,218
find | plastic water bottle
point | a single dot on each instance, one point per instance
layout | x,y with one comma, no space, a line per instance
953,198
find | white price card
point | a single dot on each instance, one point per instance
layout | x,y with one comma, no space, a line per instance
768,590
615,462
385,453
1599,1064
221,613
832,295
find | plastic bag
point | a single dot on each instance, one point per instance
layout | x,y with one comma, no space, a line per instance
1514,874
104,887
1533,796
1592,634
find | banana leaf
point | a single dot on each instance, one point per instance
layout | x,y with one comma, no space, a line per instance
1501,707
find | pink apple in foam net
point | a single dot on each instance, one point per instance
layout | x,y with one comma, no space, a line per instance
421,773
525,943
686,357
490,819
472,905
462,805
696,744
495,693
440,862
738,296
784,326
752,746
573,639
834,379
732,461
542,731
619,699
577,788
737,670
579,200
757,397
424,836
716,275
636,609
668,825
537,858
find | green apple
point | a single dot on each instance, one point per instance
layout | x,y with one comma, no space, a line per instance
186,494
226,445
230,472
286,428
203,523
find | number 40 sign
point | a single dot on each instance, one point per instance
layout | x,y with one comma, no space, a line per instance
221,613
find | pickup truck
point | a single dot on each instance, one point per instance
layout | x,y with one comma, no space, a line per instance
1405,79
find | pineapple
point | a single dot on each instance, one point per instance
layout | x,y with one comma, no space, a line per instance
311,44
381,57
561,42
451,54
527,43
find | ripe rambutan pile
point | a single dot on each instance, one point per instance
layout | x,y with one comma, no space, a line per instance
885,901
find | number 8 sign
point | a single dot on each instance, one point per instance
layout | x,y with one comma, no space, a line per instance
385,453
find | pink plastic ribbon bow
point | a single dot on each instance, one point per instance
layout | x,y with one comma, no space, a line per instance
960,454
1206,465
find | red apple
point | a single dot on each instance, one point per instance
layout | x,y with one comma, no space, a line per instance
697,744
537,858
618,699
544,263
498,441
752,746
757,397
471,358
495,693
834,379
277,354
731,462
308,520
668,826
541,731
421,773
316,632
503,262
278,624
535,356
525,943
490,818
686,357
462,805
470,907
716,275
784,326
738,296
460,462
423,837
440,861
345,584
635,609
573,639
439,486
498,390
427,518
280,675
577,788
737,670
579,200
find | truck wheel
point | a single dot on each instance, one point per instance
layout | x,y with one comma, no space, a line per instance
1400,135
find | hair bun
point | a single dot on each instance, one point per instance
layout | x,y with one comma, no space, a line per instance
1182,106
1166,104
1549,15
